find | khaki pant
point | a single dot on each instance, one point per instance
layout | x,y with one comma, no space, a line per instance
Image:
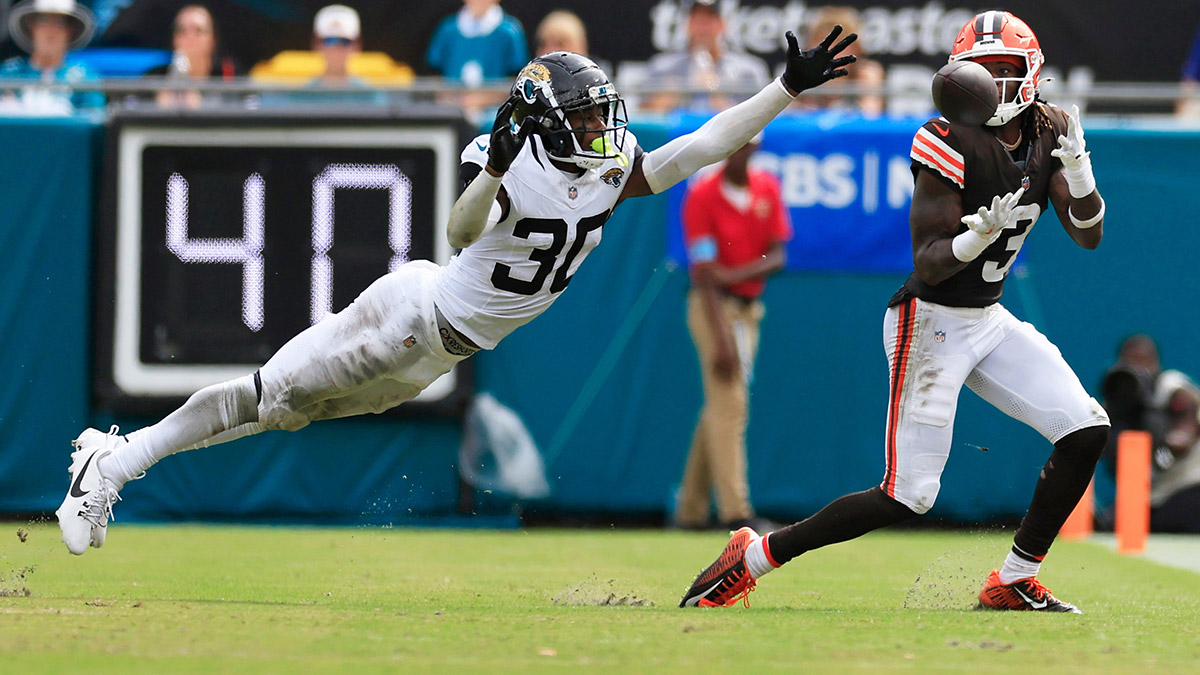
717,459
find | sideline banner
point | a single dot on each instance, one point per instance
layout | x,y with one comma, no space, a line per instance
847,183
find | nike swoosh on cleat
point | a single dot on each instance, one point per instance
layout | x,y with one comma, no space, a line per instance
695,599
75,491
1036,605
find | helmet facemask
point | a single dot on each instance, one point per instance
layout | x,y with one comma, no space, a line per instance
565,141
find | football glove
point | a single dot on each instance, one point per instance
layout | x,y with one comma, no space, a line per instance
506,144
1076,161
809,68
986,226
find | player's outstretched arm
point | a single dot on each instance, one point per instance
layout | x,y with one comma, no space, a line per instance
730,129
479,207
1073,191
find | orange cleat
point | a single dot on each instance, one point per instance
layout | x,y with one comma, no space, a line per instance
1022,594
726,581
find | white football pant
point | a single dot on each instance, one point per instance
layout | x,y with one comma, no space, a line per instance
375,354
932,351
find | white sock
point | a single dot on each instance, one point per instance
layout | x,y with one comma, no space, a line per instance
205,418
758,558
1015,567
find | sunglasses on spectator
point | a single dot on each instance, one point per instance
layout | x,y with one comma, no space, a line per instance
336,42
193,29
50,20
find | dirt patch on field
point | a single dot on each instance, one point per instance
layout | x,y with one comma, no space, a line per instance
595,593
12,582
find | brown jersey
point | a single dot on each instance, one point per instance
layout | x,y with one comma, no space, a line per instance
973,162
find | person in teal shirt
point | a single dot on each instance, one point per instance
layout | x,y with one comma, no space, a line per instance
481,42
48,30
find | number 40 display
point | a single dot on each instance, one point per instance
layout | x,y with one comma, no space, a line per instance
248,250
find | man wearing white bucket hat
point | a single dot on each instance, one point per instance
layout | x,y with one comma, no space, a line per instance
48,30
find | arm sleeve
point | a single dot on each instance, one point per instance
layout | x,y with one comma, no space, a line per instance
476,210
719,138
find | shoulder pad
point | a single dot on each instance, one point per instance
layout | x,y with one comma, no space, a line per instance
936,147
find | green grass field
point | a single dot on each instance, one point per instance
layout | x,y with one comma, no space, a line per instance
196,598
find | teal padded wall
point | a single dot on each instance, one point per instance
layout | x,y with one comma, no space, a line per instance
606,380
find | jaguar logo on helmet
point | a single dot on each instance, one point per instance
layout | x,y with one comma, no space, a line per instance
533,78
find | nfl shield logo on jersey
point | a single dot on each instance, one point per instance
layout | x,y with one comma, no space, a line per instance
1025,182
572,192
939,336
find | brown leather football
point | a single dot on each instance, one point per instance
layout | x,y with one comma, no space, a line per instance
965,93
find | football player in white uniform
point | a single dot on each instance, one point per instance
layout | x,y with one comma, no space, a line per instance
528,216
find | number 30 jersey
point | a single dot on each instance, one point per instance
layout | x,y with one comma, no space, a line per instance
517,270
973,162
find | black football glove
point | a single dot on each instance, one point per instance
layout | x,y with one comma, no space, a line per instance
812,67
506,145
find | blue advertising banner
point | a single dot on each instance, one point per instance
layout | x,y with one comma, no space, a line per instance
847,184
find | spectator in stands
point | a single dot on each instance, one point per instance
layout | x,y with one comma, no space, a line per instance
49,30
337,37
480,42
1175,491
705,64
196,58
735,227
1140,395
561,31
867,73
1189,106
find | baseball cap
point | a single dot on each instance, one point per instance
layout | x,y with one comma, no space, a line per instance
710,5
336,21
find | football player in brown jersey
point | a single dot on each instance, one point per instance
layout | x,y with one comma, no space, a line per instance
978,192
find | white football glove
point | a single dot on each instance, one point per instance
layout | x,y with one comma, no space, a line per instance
1076,160
986,226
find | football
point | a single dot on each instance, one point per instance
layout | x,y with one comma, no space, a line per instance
965,93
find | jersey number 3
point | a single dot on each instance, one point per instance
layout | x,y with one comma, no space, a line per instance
546,257
998,260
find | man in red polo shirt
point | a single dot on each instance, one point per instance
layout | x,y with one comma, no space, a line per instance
735,227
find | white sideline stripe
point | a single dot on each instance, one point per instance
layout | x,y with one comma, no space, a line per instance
1181,551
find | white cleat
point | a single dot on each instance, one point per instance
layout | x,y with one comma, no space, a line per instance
87,508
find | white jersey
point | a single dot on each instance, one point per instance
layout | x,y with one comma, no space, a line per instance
515,271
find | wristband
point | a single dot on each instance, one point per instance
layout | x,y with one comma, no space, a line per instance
1080,181
968,245
1085,224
